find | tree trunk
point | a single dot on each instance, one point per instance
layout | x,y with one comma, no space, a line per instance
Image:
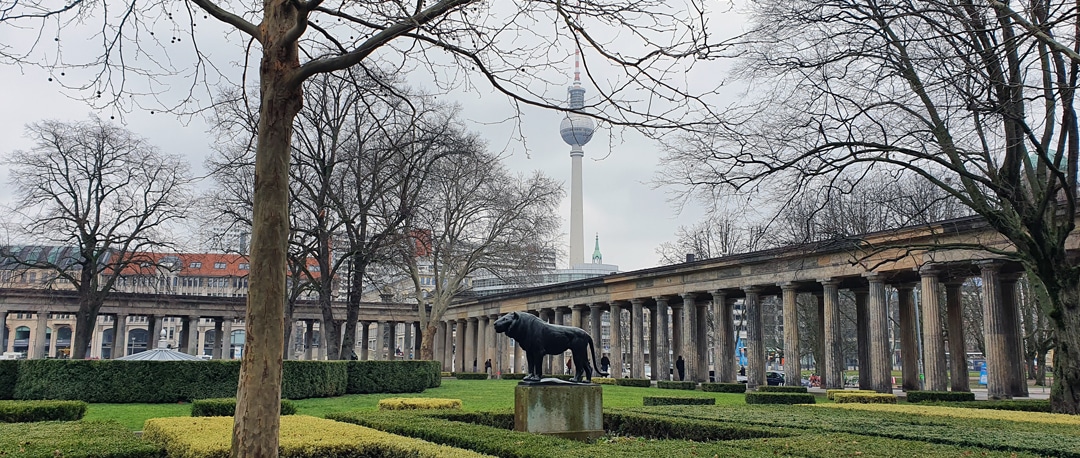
329,329
258,404
1065,392
85,320
352,308
427,344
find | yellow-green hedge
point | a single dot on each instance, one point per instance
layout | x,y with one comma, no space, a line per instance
829,393
418,403
961,412
865,398
603,380
301,436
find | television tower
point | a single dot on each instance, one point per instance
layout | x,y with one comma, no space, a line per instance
576,130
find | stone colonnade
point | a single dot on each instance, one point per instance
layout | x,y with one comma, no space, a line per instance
676,326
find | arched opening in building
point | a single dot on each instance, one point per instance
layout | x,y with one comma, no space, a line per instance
63,342
22,340
137,341
107,343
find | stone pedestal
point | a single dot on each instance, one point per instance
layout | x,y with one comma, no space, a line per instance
572,411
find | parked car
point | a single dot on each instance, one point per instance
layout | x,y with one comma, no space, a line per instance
771,378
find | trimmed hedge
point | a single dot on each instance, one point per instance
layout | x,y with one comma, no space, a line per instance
301,437
765,397
110,381
446,374
781,389
677,401
80,439
865,398
638,382
953,396
226,407
1023,405
513,375
724,387
829,393
471,375
30,411
9,373
418,404
603,380
664,427
408,376
676,385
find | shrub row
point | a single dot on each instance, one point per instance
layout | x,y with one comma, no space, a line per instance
301,437
109,381
80,439
676,385
953,396
226,407
29,411
1024,405
829,393
9,372
638,382
471,375
865,398
513,375
603,380
781,389
446,374
418,404
765,397
677,401
664,427
724,387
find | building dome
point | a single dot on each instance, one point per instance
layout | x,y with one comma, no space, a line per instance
577,129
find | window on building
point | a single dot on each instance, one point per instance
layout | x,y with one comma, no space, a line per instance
195,265
219,265
244,266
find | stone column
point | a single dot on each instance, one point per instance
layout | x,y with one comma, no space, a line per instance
492,345
792,366
637,339
471,364
833,375
448,347
365,337
459,346
819,366
483,347
309,339
653,358
862,336
119,337
392,346
407,341
596,312
152,329
701,342
878,313
676,336
226,341
191,331
909,338
933,340
755,347
322,341
575,318
724,350
663,344
37,348
1010,310
218,337
958,363
995,332
558,361
380,331
688,331
615,321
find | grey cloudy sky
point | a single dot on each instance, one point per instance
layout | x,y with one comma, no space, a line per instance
620,204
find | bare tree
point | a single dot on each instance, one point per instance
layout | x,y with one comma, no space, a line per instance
718,235
974,98
104,193
506,45
475,215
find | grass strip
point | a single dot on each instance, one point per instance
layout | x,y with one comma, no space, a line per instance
73,439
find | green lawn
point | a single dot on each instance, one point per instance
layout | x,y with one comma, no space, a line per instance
475,395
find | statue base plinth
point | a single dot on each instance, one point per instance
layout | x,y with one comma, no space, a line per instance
572,411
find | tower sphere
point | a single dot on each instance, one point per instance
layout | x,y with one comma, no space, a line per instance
577,129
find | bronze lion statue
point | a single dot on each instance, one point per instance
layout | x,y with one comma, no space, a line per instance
538,338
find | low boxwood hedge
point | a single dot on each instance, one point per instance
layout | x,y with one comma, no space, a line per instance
947,396
226,407
603,380
865,398
301,437
471,375
665,427
29,411
314,379
407,376
829,393
513,375
676,385
79,439
638,382
765,397
677,401
781,389
1024,405
724,387
418,404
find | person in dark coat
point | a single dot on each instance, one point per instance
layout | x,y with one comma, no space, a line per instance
604,363
487,366
680,366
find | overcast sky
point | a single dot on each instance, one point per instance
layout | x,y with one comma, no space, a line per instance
620,204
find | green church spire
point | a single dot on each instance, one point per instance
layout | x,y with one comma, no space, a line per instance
597,258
